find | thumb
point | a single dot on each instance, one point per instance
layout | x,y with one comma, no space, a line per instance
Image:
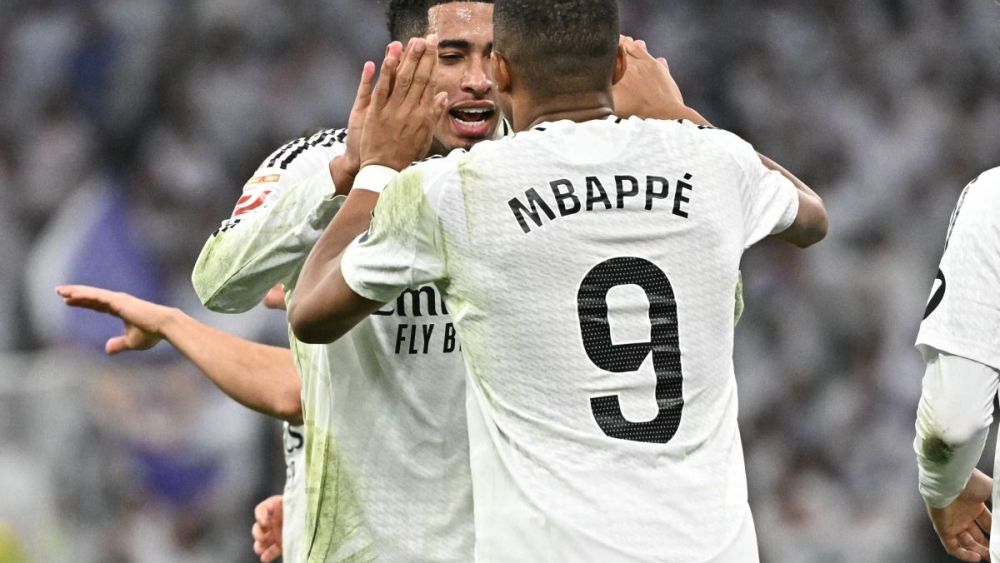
115,345
440,106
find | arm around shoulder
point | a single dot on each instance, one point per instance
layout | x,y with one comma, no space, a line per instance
811,223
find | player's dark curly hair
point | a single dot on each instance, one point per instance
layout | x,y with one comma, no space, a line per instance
558,46
408,18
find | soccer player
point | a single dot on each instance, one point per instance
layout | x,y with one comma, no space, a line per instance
960,341
589,263
259,377
387,448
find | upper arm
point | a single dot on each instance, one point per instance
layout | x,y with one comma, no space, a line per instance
280,214
810,224
774,202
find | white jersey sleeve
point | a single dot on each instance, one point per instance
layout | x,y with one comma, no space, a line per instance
963,314
770,201
283,210
953,420
404,247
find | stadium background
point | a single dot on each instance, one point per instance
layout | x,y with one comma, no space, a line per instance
128,127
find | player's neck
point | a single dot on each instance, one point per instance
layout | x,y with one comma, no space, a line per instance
577,107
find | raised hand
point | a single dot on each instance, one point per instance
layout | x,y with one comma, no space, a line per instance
962,525
647,89
267,526
143,320
404,108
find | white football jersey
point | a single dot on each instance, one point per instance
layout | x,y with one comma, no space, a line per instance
386,454
963,313
591,270
293,500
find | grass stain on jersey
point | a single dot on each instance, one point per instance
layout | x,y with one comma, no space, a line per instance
937,450
333,519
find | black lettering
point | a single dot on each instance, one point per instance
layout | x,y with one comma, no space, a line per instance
414,296
428,330
680,198
449,338
300,440
562,197
536,202
385,311
400,337
622,194
594,187
652,193
413,339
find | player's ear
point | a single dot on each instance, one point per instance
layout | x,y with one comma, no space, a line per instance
621,65
501,72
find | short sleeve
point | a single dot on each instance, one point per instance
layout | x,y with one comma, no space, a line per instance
404,246
770,201
962,316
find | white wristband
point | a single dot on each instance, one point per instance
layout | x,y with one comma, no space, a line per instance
374,178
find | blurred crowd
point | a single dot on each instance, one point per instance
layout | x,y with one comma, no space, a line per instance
127,128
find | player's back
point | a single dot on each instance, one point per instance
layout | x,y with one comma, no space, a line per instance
591,271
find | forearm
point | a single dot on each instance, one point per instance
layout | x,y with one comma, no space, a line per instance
343,170
953,418
311,311
260,377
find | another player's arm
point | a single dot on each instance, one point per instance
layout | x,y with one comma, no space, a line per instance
404,102
300,190
260,377
648,90
811,223
953,419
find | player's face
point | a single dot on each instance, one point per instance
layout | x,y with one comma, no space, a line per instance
465,41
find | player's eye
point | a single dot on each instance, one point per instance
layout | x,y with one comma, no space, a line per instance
450,57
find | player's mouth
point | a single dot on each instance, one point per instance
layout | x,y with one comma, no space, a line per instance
474,120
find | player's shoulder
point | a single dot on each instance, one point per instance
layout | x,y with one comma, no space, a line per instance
315,146
989,181
983,194
436,167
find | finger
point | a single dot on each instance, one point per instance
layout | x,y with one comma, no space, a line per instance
422,91
985,520
262,512
271,553
642,45
258,533
978,538
663,61
968,544
364,96
439,107
408,67
963,554
88,303
386,77
116,345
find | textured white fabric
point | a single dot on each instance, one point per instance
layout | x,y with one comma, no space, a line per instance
963,314
541,242
293,498
374,178
953,419
386,454
963,319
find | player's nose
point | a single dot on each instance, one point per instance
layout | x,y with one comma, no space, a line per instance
477,78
